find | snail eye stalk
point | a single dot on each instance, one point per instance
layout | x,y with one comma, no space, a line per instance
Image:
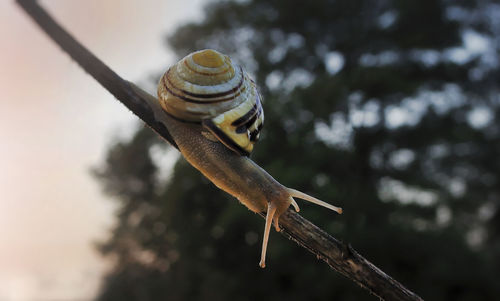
306,197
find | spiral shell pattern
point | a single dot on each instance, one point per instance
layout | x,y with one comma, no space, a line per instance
206,87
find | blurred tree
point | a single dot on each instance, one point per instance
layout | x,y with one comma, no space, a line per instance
387,108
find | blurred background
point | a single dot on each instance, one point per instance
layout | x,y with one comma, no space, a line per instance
387,108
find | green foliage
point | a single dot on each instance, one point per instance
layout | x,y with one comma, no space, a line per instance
399,137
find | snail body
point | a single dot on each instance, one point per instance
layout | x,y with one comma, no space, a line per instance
235,174
213,111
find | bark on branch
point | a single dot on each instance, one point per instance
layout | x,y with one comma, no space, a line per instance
341,257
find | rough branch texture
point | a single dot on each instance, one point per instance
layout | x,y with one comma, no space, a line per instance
341,257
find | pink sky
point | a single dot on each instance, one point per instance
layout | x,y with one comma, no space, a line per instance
55,123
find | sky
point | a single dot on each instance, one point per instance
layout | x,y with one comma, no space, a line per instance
56,123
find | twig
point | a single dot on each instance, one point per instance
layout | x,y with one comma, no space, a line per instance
341,257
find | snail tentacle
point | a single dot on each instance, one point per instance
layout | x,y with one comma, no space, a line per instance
271,210
306,197
294,204
276,223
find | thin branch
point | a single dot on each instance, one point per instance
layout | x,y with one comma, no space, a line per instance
341,257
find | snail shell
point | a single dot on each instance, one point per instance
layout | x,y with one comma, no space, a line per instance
206,87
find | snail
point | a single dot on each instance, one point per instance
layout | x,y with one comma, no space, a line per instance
213,111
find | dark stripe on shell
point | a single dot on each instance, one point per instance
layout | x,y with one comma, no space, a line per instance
204,102
257,108
209,125
254,136
252,121
197,95
241,129
244,127
243,119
